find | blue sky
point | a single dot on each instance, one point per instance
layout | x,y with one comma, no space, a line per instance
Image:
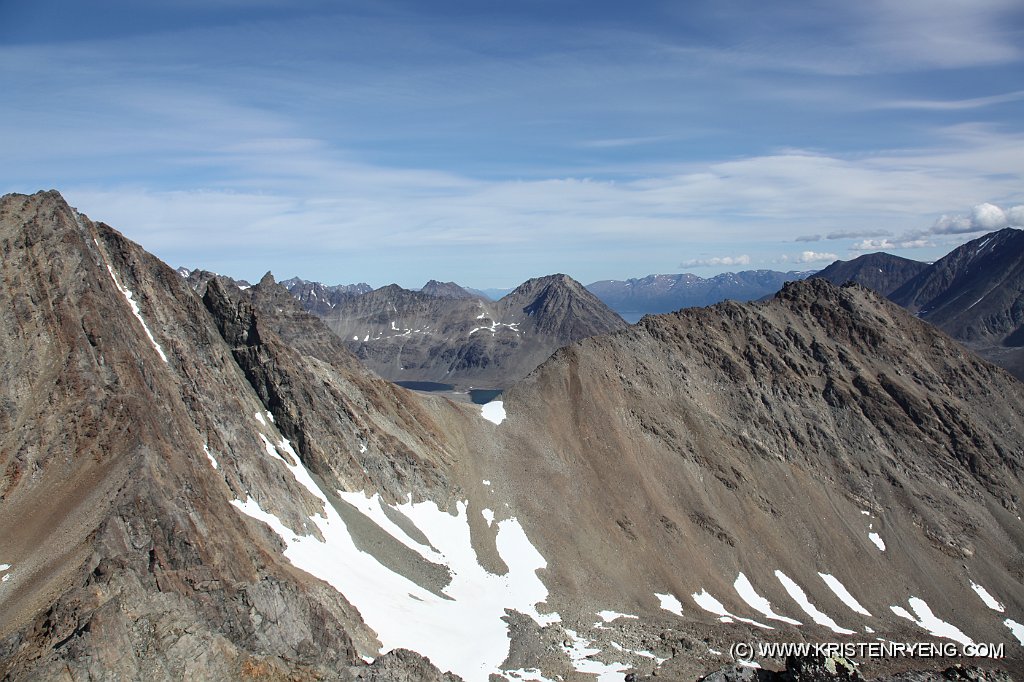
488,142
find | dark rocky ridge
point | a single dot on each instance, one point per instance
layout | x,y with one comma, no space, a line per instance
881,272
975,293
747,438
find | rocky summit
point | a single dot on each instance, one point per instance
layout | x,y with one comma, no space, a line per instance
881,272
204,482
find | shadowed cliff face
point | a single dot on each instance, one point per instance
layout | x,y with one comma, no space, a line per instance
211,486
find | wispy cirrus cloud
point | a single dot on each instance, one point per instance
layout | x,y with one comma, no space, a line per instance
889,244
716,261
842,234
953,105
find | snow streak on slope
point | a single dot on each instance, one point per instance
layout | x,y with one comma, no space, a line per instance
708,602
843,593
930,622
1016,628
401,612
989,600
129,296
800,597
747,592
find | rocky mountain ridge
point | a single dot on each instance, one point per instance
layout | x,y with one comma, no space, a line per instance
320,299
208,485
975,293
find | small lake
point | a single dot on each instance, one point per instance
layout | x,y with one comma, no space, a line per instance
479,396
482,396
425,386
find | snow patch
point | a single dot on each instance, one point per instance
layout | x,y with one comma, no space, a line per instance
843,593
5,567
670,603
748,594
989,600
373,508
927,620
527,675
488,516
800,597
486,482
401,612
877,539
129,296
708,602
609,616
213,462
271,450
1016,628
260,419
493,411
580,653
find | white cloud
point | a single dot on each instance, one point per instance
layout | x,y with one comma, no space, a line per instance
713,261
954,105
889,244
815,257
983,218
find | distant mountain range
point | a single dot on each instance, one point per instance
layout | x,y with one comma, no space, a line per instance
446,334
975,293
633,298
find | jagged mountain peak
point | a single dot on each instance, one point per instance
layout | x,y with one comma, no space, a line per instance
445,290
560,306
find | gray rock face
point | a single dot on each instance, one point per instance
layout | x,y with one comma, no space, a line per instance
446,290
975,293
